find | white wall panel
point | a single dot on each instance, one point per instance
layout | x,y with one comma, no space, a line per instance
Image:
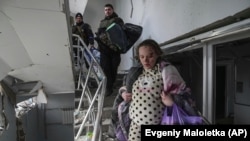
36,43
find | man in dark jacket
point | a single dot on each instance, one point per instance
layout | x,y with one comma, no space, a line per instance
110,57
85,32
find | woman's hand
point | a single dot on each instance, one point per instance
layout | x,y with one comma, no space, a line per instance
166,99
127,96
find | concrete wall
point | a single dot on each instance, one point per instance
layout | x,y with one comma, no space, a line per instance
76,6
35,43
242,115
166,19
10,133
242,96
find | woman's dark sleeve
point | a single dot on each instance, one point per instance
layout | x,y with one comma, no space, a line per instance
132,76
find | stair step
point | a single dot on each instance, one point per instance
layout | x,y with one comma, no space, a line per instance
104,122
107,109
89,127
108,101
106,113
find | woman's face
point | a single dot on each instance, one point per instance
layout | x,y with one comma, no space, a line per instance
148,57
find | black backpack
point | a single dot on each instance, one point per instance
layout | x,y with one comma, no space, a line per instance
133,33
120,38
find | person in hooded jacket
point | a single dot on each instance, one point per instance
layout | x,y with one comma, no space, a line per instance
83,30
110,58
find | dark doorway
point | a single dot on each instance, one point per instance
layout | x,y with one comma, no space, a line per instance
220,92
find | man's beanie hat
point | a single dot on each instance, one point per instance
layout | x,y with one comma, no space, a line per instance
78,15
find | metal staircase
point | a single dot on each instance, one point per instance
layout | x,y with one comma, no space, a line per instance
93,109
89,107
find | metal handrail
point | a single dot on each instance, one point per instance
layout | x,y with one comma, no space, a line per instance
82,85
